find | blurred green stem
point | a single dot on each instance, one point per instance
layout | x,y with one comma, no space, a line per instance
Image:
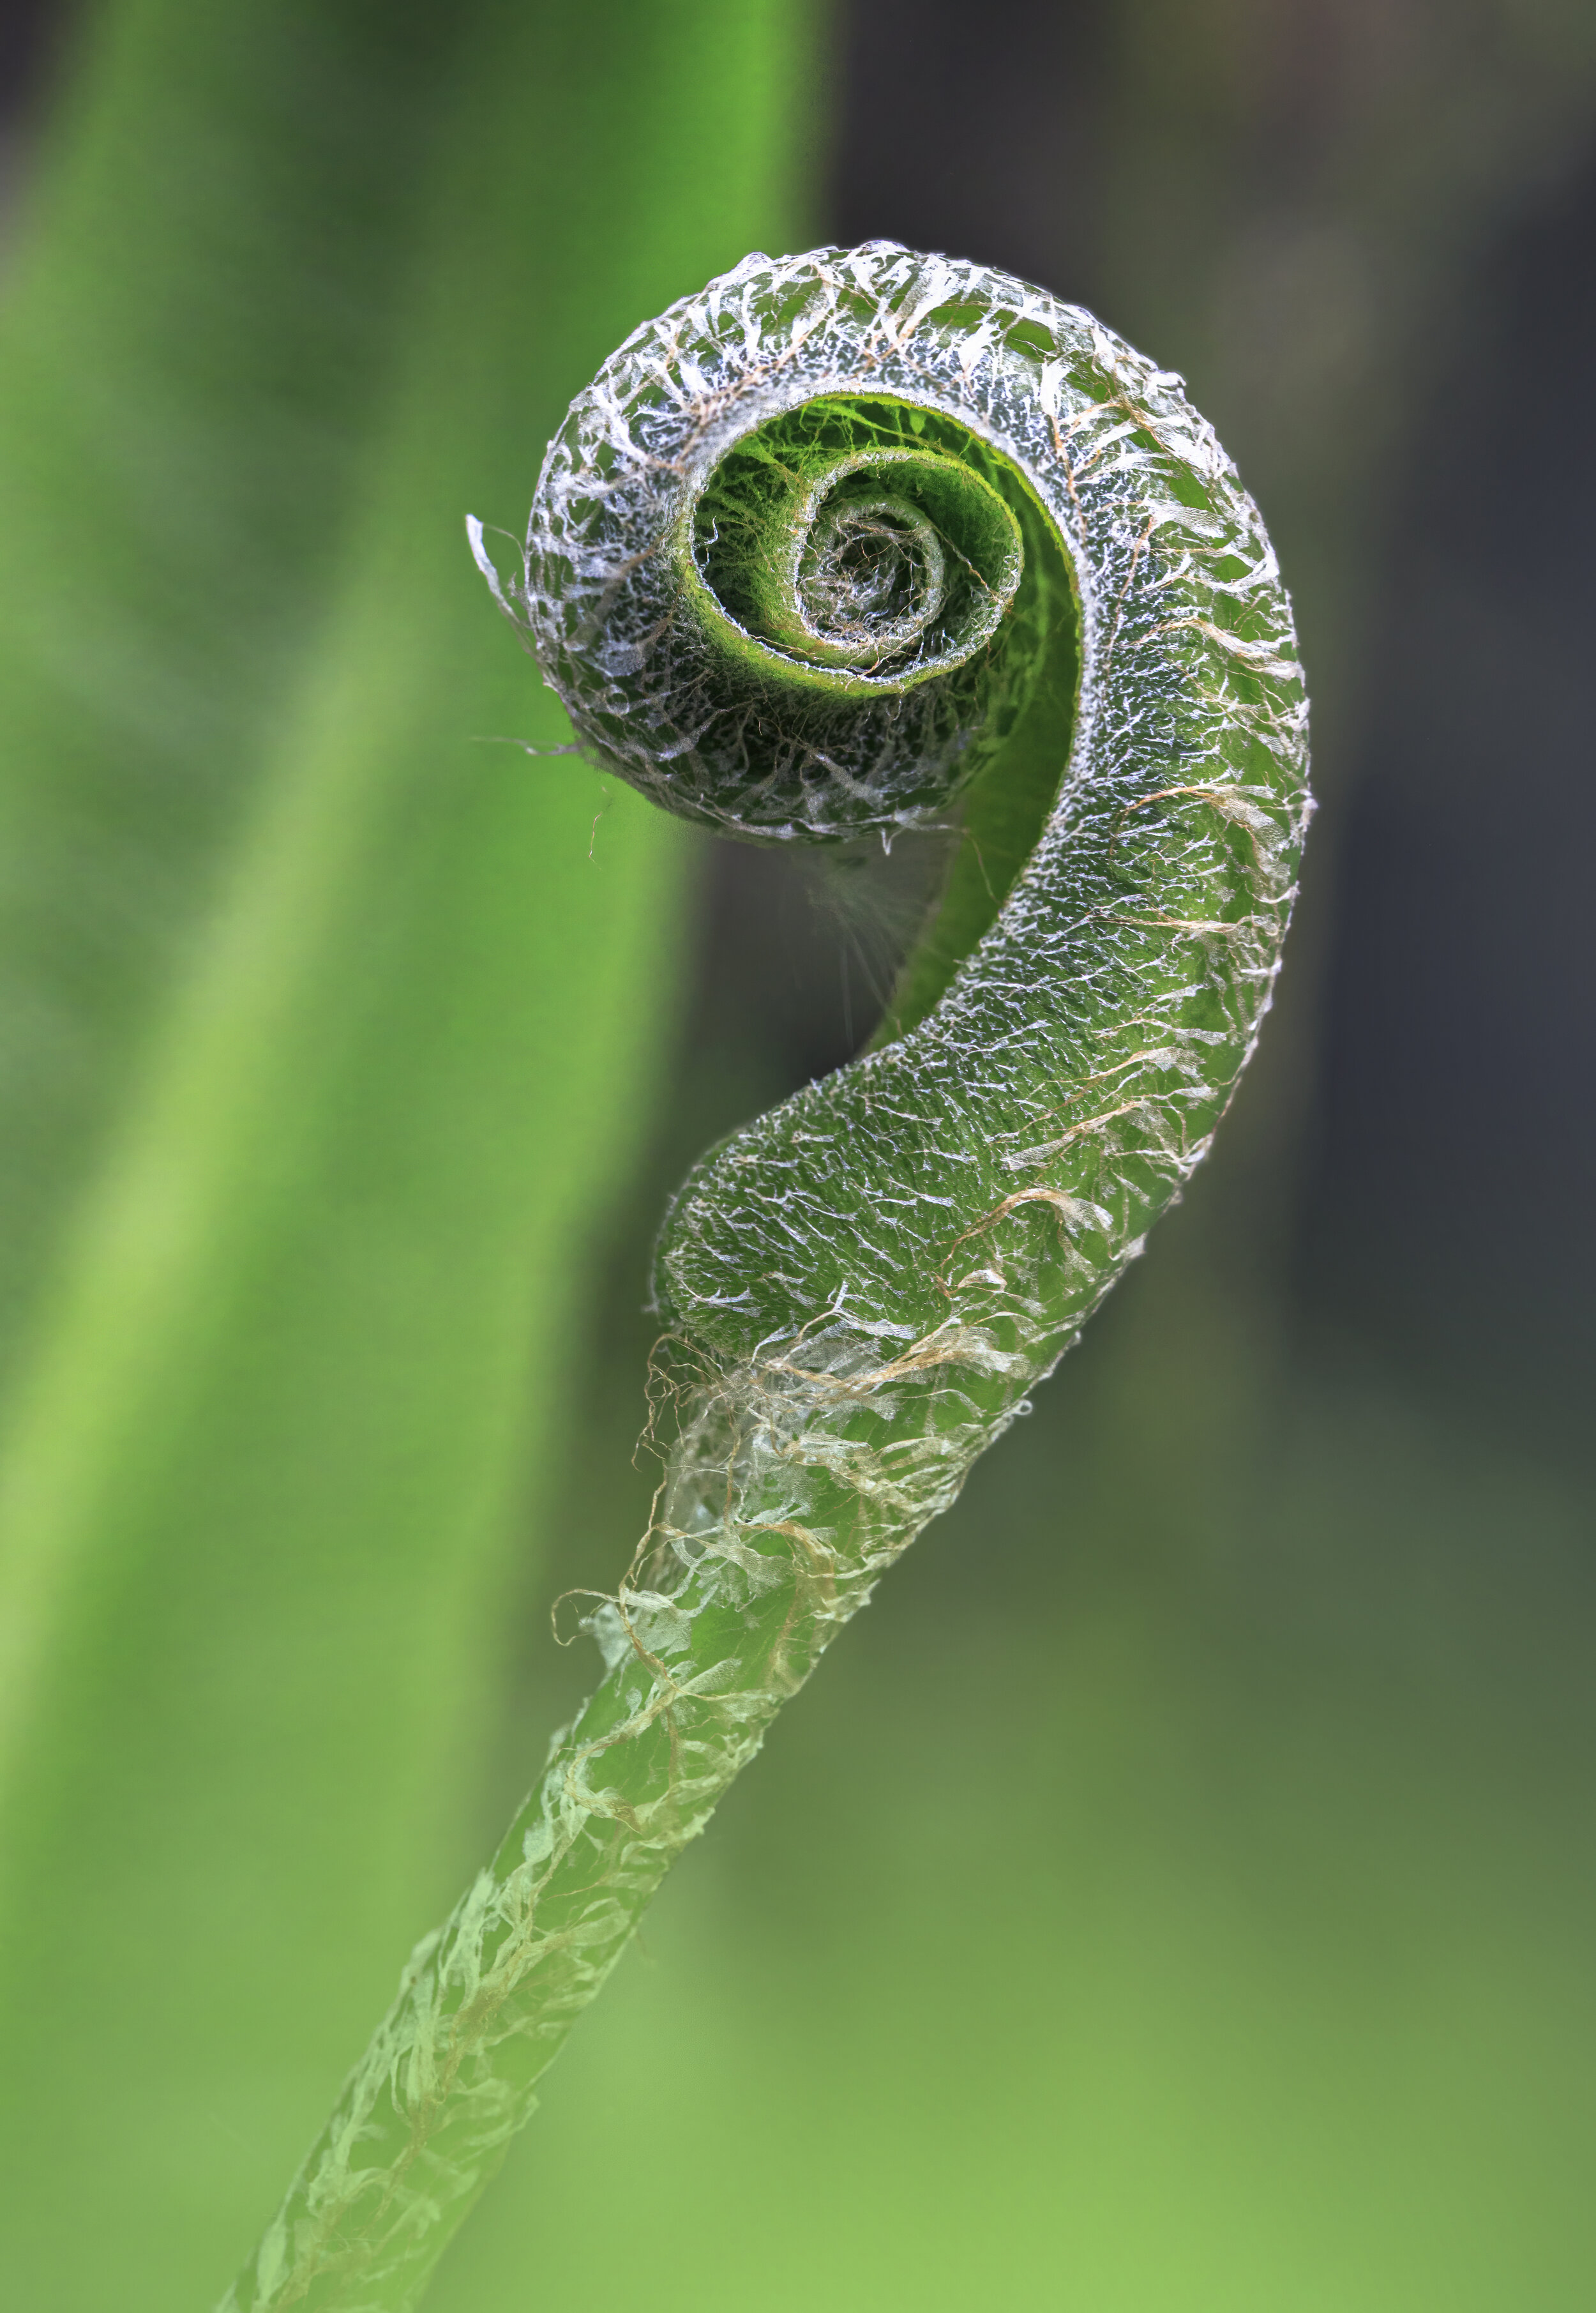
307,1316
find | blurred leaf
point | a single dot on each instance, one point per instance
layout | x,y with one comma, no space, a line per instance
216,256
360,1055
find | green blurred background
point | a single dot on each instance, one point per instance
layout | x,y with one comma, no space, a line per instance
1176,1894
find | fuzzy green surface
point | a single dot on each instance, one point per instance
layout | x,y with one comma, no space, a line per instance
863,1285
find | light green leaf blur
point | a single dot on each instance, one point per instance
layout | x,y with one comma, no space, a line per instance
331,1026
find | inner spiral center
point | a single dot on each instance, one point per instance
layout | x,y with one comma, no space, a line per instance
872,575
860,547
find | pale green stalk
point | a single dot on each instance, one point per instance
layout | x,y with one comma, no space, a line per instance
861,1287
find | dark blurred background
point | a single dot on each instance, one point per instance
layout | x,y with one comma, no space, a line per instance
1178,1893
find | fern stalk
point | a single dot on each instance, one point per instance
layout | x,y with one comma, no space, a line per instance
728,579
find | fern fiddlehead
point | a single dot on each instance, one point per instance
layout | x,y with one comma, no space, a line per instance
859,542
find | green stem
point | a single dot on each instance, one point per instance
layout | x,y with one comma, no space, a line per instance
863,1285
